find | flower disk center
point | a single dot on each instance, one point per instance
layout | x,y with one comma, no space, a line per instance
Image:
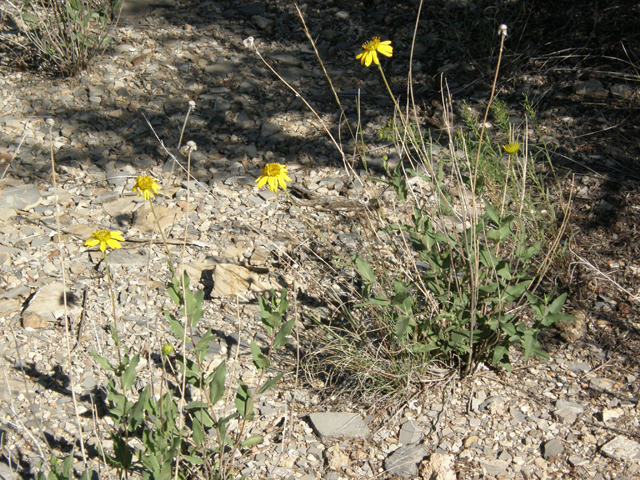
271,170
145,183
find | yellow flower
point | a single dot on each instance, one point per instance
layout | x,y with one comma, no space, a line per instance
106,239
273,173
512,148
146,186
371,50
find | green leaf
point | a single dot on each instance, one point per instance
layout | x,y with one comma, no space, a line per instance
194,460
176,326
532,347
87,475
401,327
252,440
129,375
243,401
67,467
217,386
202,347
491,213
260,360
76,5
557,304
513,292
364,269
136,417
501,357
197,432
103,362
270,383
283,333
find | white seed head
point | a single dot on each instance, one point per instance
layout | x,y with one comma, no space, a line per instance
503,30
192,104
191,145
50,121
248,42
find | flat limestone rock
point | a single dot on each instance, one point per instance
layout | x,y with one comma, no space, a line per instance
23,197
47,305
404,461
622,449
330,425
144,221
230,279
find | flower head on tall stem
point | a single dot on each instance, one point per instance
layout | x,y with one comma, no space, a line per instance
274,174
371,50
105,238
146,186
512,148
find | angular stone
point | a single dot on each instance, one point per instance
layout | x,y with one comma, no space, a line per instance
7,307
622,449
336,458
567,412
494,467
404,461
6,213
602,384
409,433
144,221
122,257
330,425
230,279
22,197
551,448
590,88
579,367
122,206
47,305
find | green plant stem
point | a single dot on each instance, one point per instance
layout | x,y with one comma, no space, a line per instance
113,306
164,240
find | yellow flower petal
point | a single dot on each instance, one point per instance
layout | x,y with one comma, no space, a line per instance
371,50
272,174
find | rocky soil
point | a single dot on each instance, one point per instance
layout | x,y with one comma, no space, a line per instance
573,417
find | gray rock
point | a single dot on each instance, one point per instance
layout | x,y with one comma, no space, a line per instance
409,433
6,473
576,461
338,425
517,415
579,367
126,258
590,88
567,412
622,449
263,23
220,68
269,128
494,467
404,461
22,197
493,400
116,178
602,384
252,9
551,448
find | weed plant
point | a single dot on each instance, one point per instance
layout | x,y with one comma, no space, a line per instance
64,35
455,281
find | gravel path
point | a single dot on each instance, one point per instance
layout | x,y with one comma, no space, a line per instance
573,417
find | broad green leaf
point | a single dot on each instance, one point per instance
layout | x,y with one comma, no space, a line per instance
129,375
76,5
103,362
270,383
197,432
194,460
260,360
283,333
364,269
401,327
136,417
243,401
557,304
217,386
252,440
176,326
202,346
513,292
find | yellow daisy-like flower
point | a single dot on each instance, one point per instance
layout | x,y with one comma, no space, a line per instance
105,239
371,50
146,186
273,173
512,148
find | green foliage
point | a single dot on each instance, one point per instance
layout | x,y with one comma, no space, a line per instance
395,131
68,34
